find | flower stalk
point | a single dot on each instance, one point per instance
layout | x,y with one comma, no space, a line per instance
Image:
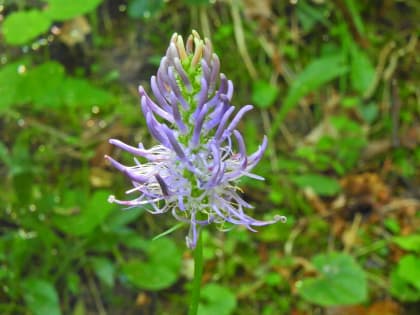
198,275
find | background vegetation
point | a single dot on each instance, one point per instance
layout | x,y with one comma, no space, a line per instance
336,88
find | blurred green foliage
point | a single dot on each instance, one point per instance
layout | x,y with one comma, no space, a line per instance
24,83
336,89
341,281
23,26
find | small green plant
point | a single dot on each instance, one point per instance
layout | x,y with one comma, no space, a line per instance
405,277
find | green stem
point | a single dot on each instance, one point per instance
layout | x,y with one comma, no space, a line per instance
198,274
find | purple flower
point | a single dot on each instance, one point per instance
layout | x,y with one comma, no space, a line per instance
194,170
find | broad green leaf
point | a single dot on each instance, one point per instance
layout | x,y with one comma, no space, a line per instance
409,242
309,153
11,78
90,216
273,279
47,85
322,185
276,196
341,281
144,8
409,269
73,282
43,84
316,74
104,270
160,271
119,219
350,102
132,240
362,71
164,250
264,94
216,299
394,226
151,277
24,26
290,165
402,289
41,297
77,92
60,10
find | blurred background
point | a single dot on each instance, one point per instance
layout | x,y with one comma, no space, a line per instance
336,88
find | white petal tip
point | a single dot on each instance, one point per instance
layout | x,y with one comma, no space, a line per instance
280,218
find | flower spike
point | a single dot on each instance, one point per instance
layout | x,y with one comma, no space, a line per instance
194,170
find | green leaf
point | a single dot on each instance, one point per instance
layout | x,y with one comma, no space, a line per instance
60,10
344,124
144,8
120,219
393,225
309,15
409,269
20,84
409,242
402,289
316,74
341,281
290,165
322,185
369,112
147,276
41,297
160,271
133,241
77,92
24,26
362,71
73,282
10,80
104,270
273,279
264,94
38,88
90,216
353,8
216,300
